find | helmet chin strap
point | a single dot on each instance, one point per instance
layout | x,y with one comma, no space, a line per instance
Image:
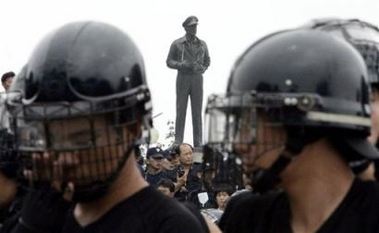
265,179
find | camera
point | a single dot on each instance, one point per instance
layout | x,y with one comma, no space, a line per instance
181,171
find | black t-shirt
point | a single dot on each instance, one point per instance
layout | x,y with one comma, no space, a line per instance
146,211
358,212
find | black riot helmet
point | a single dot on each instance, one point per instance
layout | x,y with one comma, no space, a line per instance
93,74
306,82
363,35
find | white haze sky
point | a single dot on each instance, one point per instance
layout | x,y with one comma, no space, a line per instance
228,27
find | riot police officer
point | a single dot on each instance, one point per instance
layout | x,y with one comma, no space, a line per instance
296,110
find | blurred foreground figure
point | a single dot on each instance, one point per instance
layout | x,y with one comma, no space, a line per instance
11,192
297,112
80,107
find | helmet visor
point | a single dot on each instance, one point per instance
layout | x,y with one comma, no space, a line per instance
241,125
41,135
85,150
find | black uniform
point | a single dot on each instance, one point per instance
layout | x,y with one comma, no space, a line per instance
154,179
146,211
193,184
358,212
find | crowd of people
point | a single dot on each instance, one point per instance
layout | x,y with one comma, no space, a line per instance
290,147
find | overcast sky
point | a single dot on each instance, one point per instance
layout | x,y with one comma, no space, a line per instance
228,27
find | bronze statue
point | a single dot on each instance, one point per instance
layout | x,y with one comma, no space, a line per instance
189,55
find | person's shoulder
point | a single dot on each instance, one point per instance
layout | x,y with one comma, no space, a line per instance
363,198
10,224
243,192
196,212
163,214
247,208
358,210
359,184
147,211
240,197
370,184
367,205
165,209
180,218
367,189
